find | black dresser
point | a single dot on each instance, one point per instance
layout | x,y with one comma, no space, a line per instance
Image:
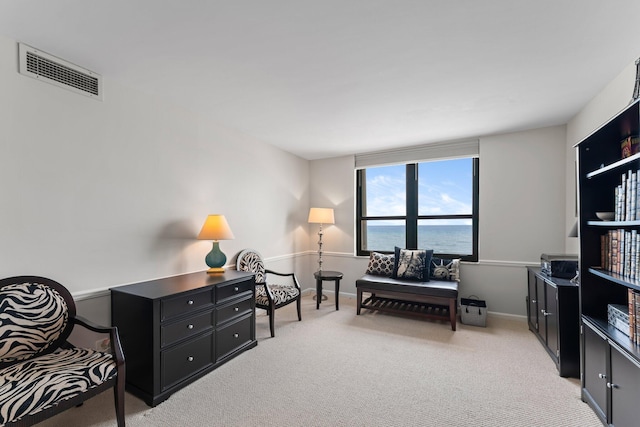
175,330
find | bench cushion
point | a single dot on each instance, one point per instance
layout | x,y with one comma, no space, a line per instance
434,288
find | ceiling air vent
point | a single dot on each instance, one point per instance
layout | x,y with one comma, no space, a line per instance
42,66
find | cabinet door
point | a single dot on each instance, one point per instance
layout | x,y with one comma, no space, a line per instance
541,301
550,314
625,390
594,377
532,308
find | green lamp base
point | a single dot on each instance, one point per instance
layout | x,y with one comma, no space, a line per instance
215,259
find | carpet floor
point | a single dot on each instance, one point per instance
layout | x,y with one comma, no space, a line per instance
338,369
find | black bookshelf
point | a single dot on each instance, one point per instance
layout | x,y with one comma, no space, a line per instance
610,363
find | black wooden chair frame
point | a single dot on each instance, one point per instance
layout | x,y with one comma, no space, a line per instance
272,306
261,280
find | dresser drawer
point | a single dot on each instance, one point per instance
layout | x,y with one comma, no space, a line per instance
185,304
185,360
226,292
233,336
234,309
176,331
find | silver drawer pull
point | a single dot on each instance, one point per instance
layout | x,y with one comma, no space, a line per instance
236,335
190,326
236,309
236,289
190,302
190,359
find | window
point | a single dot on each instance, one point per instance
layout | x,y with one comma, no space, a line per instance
427,205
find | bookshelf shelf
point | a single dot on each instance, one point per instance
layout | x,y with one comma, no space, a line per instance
614,166
614,224
616,278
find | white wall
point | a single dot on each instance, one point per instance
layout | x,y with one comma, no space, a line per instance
100,194
521,214
612,99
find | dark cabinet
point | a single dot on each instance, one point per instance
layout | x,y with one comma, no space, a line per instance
611,379
175,330
552,312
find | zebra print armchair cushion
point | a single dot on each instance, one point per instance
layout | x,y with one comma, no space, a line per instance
34,318
281,294
35,385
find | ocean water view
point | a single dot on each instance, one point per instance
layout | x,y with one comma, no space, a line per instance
447,239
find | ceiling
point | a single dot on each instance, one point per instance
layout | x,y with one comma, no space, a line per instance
325,78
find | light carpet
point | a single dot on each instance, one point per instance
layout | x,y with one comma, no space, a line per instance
338,369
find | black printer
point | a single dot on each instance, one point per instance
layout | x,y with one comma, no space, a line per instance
564,266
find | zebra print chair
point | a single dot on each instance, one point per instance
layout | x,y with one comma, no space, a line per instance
41,373
269,296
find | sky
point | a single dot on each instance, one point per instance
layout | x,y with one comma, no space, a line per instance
445,187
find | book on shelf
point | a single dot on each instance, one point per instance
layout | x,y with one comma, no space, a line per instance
619,250
626,197
632,315
633,320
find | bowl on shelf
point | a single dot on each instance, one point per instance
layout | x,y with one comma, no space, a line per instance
606,216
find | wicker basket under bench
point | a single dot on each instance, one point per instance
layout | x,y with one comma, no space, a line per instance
435,299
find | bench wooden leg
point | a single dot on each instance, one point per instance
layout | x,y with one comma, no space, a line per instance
359,301
452,312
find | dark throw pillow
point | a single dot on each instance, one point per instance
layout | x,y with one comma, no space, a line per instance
412,264
380,264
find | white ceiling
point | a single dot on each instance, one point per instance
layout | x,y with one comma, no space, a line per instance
325,78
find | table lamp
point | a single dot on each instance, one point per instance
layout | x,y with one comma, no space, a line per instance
215,228
320,216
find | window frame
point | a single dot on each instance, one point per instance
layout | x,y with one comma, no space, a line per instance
411,217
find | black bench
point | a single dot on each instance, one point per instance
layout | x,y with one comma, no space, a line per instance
435,299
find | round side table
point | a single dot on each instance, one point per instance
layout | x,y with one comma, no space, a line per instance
323,275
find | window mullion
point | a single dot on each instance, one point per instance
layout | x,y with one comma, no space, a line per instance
412,206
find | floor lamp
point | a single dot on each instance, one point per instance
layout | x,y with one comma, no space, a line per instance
320,216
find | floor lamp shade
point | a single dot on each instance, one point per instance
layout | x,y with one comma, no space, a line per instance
215,228
321,216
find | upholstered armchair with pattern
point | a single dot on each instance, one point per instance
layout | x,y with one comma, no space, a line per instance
270,296
41,373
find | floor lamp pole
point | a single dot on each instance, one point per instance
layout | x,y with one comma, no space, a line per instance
320,249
